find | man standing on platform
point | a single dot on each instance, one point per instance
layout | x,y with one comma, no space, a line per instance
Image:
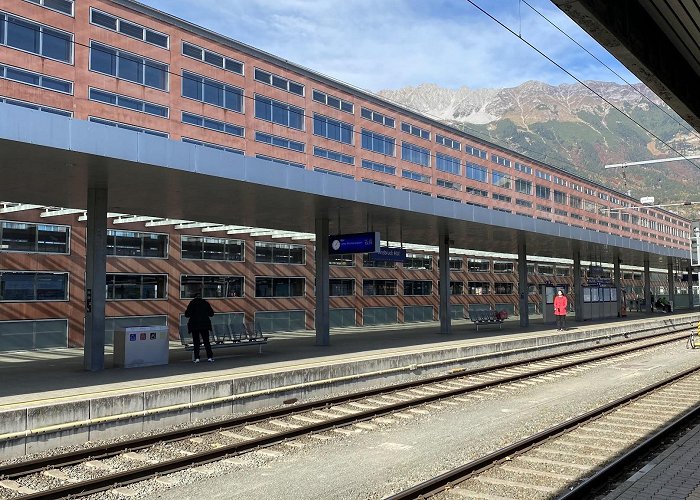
199,313
561,304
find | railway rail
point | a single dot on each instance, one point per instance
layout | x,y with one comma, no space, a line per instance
127,462
575,458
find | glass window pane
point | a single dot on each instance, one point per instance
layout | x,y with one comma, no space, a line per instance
126,102
280,113
234,66
51,286
213,93
234,99
56,45
263,108
191,86
156,75
263,252
64,6
104,20
296,118
263,287
103,59
53,84
17,286
130,68
128,244
214,59
155,245
191,50
53,239
131,29
18,237
22,76
23,35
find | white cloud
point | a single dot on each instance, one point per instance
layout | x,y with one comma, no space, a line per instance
378,44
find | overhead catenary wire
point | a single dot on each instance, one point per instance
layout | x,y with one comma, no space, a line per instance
584,84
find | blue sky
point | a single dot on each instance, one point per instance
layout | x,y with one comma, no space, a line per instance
386,44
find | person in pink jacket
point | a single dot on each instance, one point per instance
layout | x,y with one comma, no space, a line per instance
560,305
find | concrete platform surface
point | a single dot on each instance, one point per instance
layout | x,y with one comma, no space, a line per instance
48,399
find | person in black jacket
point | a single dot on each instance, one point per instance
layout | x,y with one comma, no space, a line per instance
199,313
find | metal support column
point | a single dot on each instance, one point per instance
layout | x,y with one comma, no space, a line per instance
647,285
445,319
523,306
690,288
578,292
322,321
671,280
616,279
95,280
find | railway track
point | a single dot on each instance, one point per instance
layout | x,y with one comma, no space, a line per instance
99,469
573,459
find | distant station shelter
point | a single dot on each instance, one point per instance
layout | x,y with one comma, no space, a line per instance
155,152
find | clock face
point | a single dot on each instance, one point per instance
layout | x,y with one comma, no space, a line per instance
335,244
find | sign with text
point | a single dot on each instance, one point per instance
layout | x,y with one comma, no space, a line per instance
695,244
387,254
353,243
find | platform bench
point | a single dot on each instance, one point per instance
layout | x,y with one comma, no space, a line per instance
222,336
485,317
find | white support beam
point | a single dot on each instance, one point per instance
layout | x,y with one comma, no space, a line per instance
241,230
110,215
222,228
17,207
647,162
166,222
132,218
194,225
305,236
55,212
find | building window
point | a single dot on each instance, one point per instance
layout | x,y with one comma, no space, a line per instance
378,183
212,146
266,286
479,153
545,269
333,173
543,175
35,79
543,192
136,244
415,130
378,287
418,262
456,288
29,105
415,154
416,191
501,160
342,260
523,203
503,288
278,81
279,253
128,66
575,202
335,130
34,238
36,38
211,92
279,112
455,263
333,102
417,287
127,28
367,261
202,248
211,287
446,163
378,167
341,287
136,286
62,6
544,208
522,186
501,197
502,267
559,197
41,334
368,114
478,265
32,286
280,142
379,143
209,57
476,172
334,155
478,288
455,186
446,141
476,192
126,102
522,168
501,180
125,126
281,161
415,176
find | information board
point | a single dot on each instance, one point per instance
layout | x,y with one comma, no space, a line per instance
386,254
353,243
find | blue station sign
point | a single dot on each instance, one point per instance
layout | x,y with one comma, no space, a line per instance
387,254
353,243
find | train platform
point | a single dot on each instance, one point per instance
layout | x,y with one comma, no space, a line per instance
49,400
673,475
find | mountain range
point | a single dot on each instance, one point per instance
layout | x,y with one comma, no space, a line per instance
570,127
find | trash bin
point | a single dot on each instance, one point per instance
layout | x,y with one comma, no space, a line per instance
141,346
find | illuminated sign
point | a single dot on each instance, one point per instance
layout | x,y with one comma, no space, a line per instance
353,243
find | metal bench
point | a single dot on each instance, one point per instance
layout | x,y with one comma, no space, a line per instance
239,335
485,317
